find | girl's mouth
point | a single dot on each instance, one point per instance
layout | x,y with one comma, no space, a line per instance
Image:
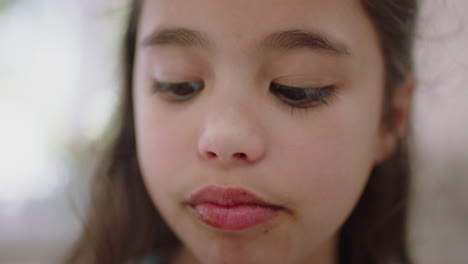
231,209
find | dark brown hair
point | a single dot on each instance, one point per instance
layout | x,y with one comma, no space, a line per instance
122,223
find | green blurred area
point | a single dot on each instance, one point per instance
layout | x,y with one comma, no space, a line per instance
5,3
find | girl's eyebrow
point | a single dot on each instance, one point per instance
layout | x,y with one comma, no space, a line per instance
282,40
176,37
300,39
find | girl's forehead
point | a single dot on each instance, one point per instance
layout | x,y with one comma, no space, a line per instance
243,20
235,30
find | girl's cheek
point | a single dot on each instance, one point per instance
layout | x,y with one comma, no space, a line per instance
332,155
163,144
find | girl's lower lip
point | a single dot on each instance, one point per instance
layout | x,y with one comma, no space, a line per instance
235,217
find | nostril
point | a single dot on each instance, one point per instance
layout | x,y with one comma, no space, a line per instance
240,155
211,154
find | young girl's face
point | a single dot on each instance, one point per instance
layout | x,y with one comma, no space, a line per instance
257,123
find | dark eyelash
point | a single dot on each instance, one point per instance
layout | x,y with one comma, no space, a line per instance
170,89
303,98
295,97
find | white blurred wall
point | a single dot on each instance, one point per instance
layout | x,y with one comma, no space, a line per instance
58,79
440,208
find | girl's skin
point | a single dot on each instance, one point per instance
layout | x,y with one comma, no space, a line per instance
237,132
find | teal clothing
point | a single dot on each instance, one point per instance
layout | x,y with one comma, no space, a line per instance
151,259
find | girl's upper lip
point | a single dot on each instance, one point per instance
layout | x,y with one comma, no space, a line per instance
227,196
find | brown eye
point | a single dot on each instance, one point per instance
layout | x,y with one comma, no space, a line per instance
301,97
179,91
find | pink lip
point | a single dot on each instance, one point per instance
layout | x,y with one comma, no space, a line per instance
231,209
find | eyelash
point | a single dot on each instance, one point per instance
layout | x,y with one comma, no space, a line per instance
295,97
303,98
170,89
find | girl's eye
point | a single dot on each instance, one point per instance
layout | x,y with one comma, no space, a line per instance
302,97
179,91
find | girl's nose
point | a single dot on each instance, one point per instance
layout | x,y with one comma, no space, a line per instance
231,138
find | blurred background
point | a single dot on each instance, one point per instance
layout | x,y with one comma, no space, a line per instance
59,83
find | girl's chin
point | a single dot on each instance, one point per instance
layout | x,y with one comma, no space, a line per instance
228,256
